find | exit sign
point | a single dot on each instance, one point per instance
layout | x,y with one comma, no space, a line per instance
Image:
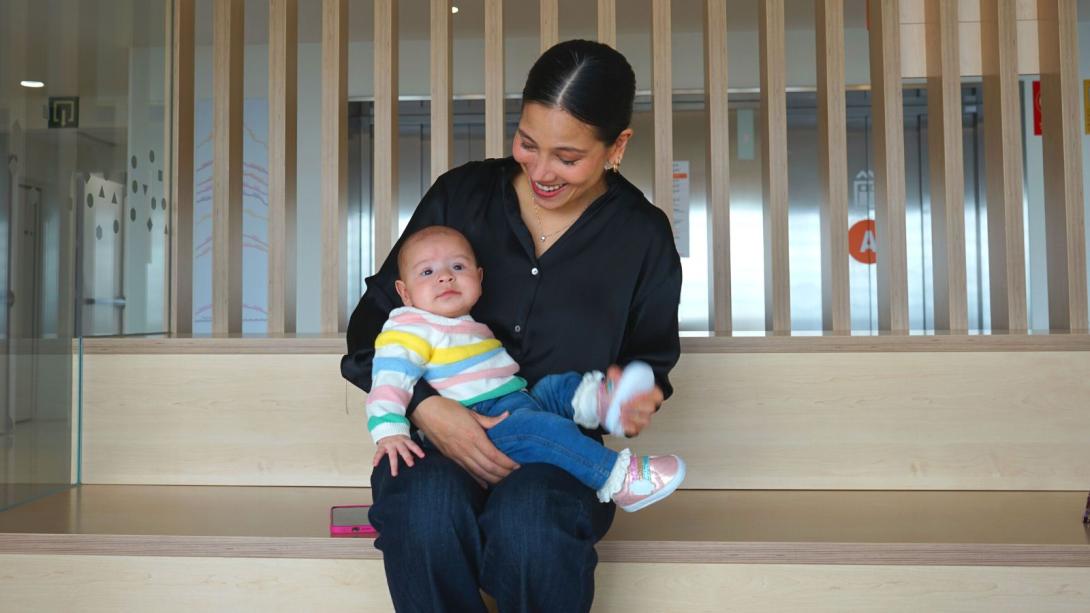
64,112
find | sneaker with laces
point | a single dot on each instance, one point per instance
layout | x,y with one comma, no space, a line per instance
637,378
649,480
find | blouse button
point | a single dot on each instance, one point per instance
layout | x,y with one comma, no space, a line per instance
534,271
518,328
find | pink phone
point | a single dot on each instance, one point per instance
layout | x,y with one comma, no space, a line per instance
350,520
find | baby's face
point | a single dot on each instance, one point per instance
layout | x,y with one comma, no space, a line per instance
440,276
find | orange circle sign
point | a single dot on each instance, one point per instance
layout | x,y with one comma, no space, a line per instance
863,241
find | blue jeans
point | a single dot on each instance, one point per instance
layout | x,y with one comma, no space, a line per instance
540,429
528,541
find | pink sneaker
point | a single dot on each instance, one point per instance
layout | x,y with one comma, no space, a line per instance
649,480
637,378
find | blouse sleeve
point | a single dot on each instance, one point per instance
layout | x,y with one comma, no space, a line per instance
381,298
651,334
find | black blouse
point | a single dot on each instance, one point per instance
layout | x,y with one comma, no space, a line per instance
605,293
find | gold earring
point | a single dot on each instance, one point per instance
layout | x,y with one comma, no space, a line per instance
616,166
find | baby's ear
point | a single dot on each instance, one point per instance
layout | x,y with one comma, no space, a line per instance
403,291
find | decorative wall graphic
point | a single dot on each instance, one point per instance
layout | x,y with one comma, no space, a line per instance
255,205
64,111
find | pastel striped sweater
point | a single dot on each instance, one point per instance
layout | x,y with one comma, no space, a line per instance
460,358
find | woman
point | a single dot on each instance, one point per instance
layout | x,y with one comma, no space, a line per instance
581,272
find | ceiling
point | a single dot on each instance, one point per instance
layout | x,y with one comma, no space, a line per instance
520,18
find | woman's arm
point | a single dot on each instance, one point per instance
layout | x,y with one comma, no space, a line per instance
651,334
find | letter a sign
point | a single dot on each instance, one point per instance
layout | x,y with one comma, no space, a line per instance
863,242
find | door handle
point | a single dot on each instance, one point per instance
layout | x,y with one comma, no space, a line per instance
117,302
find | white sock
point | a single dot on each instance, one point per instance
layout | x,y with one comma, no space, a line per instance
585,400
616,477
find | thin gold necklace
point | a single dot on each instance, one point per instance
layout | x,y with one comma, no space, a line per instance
541,226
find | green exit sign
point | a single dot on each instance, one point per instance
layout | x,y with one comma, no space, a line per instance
64,112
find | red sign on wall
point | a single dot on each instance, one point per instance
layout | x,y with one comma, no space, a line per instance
863,241
1037,108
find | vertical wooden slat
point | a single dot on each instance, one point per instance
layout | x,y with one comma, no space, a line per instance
493,79
718,160
227,57
662,103
833,166
385,182
1003,161
889,164
607,22
947,173
770,17
442,124
1061,96
550,23
334,156
283,79
181,169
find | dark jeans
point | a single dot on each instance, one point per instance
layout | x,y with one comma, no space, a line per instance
527,541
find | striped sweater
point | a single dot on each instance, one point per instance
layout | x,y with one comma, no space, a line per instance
460,358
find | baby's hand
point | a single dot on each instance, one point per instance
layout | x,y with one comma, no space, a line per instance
397,445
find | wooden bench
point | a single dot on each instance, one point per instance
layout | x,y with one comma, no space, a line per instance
826,473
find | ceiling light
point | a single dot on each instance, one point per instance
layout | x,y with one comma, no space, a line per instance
33,84
453,9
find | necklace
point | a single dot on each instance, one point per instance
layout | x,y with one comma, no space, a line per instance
543,236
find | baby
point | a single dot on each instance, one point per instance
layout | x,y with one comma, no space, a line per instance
433,337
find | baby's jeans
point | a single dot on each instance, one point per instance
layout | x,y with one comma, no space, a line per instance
540,429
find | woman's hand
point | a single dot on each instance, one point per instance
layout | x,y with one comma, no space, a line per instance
394,446
460,435
636,413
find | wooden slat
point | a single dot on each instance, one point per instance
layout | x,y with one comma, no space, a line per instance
1065,223
227,60
334,157
442,117
947,173
662,103
1003,160
283,91
773,131
550,23
607,22
833,166
718,160
384,204
889,164
180,170
493,79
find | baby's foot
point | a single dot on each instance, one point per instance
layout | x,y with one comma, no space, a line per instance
637,378
649,480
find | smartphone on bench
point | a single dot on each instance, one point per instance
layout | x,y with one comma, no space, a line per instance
350,520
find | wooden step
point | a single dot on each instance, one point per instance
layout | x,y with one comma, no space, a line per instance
754,527
181,548
866,415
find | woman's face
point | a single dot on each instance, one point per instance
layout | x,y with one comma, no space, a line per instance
561,156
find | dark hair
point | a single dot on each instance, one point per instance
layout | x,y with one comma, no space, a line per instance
591,81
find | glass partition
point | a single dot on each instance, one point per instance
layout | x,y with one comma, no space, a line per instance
83,216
